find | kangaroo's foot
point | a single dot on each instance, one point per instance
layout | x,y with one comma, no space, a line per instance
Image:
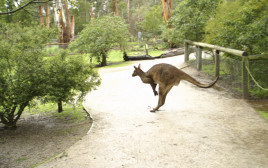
155,93
154,110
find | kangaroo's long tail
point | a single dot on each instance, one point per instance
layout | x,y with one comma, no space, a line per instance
201,85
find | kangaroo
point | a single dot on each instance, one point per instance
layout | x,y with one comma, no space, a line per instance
166,76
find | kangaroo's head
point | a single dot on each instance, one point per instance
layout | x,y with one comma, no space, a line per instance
137,71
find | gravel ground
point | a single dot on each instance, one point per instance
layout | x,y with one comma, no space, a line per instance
37,139
196,128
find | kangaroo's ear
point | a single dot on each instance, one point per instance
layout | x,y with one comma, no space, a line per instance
139,66
135,67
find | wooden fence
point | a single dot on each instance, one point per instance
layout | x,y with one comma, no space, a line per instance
217,49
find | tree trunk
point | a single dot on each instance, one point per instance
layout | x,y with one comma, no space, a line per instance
47,17
62,21
60,26
114,7
91,13
166,9
60,106
128,6
68,22
41,18
72,28
56,17
103,60
11,116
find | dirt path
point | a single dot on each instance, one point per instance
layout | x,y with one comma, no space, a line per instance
196,128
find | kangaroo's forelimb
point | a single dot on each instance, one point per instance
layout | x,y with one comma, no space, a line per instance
149,80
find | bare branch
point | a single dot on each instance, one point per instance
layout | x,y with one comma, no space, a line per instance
10,12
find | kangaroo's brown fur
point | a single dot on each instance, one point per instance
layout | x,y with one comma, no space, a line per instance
166,76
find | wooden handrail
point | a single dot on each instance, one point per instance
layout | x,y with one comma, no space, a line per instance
219,48
258,57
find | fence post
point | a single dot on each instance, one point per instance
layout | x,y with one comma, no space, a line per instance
146,49
245,78
217,63
186,52
199,57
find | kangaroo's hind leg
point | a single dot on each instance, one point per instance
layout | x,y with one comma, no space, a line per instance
163,91
165,95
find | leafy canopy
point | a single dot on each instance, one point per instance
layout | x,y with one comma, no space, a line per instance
153,22
100,35
241,25
27,73
69,77
189,19
21,69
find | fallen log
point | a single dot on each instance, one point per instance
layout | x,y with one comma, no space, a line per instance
171,53
133,58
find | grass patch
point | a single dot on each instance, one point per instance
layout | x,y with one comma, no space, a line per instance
264,115
115,56
208,69
119,64
70,112
39,108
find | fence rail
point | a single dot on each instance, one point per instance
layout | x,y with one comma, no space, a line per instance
217,49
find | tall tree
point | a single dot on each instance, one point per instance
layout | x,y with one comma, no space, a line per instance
62,20
128,13
114,7
166,9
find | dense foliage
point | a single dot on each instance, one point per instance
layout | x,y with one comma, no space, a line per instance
26,73
26,17
100,35
69,78
241,25
153,23
189,19
21,69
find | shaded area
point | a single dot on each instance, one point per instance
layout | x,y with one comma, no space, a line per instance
38,138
